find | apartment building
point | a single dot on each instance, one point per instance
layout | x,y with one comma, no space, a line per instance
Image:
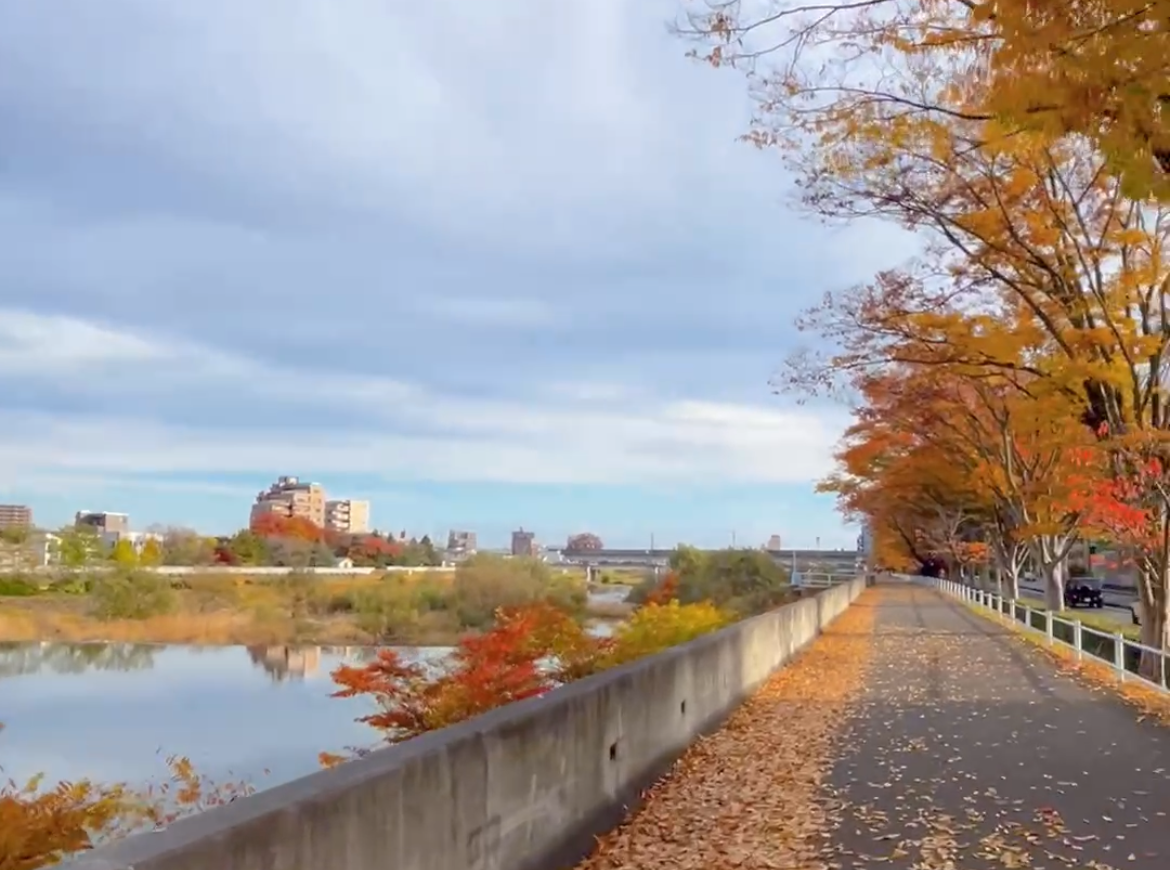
15,516
773,544
348,516
460,541
523,543
290,497
103,522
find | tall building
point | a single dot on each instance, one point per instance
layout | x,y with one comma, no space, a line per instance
288,497
348,516
523,543
15,516
865,540
459,541
773,544
104,522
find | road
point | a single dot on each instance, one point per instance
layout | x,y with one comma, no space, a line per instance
1116,603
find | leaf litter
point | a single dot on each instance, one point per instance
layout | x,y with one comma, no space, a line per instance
968,755
922,740
750,795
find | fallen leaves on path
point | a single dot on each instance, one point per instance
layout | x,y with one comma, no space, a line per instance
1097,675
749,795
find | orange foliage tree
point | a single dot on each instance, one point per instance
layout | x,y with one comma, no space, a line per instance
271,525
40,826
1020,142
527,652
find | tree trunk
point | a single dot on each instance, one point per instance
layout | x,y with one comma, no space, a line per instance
1054,574
1051,553
1013,590
1154,612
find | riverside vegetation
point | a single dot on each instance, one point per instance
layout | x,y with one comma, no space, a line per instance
506,661
133,605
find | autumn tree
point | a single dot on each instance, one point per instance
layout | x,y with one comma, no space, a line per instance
124,554
152,552
526,652
1096,70
915,113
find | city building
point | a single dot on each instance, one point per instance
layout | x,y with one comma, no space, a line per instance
865,540
523,543
348,516
459,541
584,542
103,522
15,516
289,497
773,545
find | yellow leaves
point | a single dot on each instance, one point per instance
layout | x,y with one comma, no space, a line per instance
654,627
40,826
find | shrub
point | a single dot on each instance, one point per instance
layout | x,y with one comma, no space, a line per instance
132,595
527,652
744,581
41,826
488,670
656,627
17,586
485,583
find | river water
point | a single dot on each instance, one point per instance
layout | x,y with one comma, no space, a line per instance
114,712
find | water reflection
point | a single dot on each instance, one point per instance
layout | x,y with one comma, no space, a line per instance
74,658
295,662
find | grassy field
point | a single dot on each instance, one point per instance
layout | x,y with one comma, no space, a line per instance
424,608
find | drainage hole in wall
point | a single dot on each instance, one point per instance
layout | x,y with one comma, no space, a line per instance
682,708
613,752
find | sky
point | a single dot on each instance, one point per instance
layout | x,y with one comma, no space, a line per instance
486,265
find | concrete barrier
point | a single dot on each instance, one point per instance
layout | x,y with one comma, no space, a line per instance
525,787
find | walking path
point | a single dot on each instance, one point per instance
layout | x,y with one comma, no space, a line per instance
913,734
970,747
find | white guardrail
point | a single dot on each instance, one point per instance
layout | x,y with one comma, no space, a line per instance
819,580
1112,648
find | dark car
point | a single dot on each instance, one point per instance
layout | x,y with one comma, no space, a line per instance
1083,591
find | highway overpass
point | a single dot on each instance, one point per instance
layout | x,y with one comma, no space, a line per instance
832,561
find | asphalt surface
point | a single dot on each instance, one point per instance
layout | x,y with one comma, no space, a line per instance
969,747
1116,602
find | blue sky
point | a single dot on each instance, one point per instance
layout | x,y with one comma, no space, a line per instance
483,264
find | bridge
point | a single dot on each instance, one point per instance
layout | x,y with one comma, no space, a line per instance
537,784
833,561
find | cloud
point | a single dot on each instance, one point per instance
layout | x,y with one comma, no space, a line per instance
440,241
400,430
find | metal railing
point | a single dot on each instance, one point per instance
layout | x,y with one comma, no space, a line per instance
1125,656
819,580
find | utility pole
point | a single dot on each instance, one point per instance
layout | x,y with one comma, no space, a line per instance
733,539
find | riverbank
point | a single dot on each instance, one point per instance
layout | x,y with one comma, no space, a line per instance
423,610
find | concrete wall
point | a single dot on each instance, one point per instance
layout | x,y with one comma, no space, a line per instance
524,787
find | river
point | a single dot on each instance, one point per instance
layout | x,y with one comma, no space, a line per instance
114,712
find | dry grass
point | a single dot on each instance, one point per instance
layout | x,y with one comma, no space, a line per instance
750,794
215,609
609,609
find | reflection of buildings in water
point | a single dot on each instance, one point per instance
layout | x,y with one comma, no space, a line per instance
74,658
352,653
287,662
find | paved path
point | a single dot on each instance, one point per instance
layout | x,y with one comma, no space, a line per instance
970,748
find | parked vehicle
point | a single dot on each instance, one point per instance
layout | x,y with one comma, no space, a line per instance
1083,590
